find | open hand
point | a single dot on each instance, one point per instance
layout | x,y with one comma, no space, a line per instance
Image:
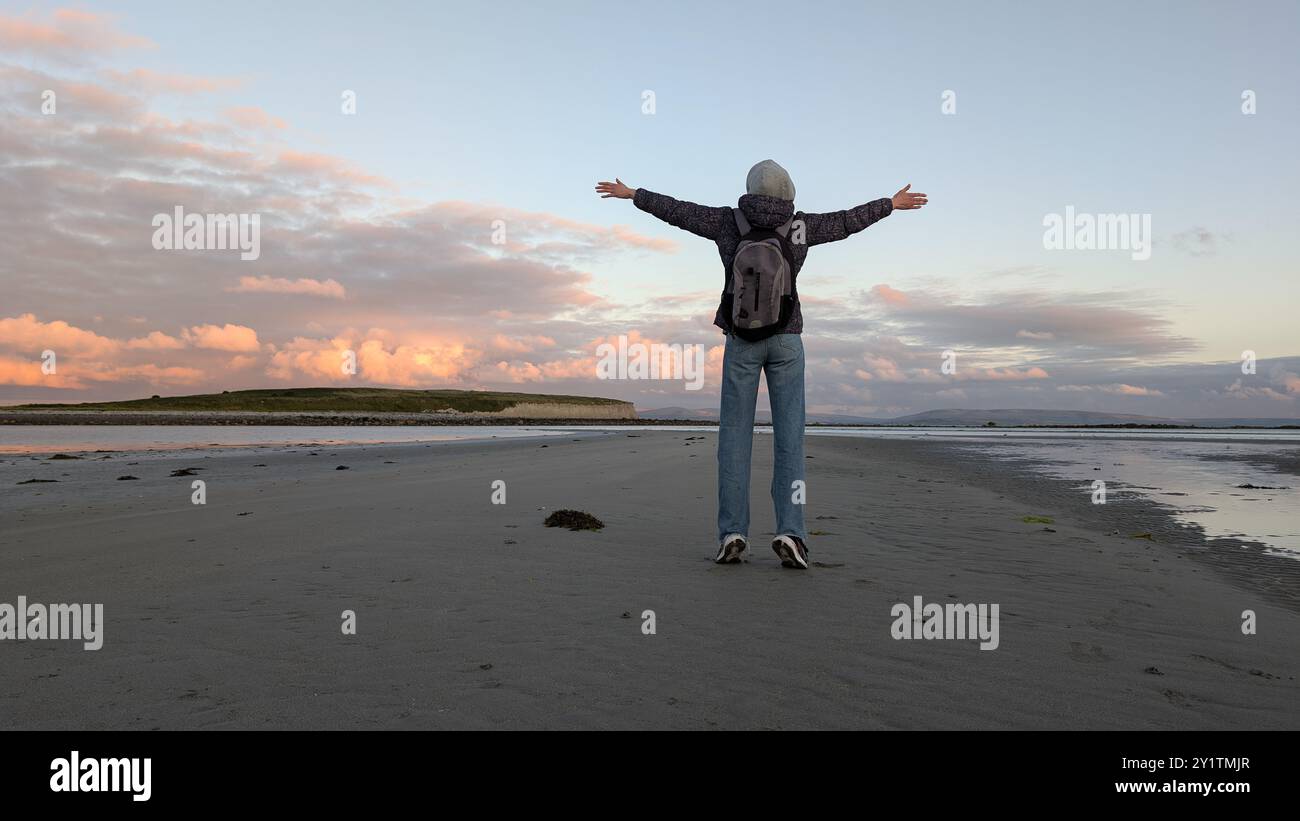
904,200
614,189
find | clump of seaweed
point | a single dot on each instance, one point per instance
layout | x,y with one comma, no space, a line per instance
574,520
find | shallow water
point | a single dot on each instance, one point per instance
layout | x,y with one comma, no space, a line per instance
984,434
1170,467
1193,478
23,439
26,439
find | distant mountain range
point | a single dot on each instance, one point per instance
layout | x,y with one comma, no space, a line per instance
1002,417
762,416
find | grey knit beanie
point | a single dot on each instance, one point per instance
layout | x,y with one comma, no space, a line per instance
770,180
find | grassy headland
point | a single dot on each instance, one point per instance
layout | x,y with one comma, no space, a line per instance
318,400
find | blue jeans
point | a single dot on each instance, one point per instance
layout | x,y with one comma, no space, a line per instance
781,356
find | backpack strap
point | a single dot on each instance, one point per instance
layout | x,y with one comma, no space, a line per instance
786,248
742,224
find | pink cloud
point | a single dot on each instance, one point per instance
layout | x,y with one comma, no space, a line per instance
28,334
67,33
583,366
78,374
156,82
28,373
523,227
71,97
1239,390
521,345
155,341
889,296
254,117
236,338
1115,389
309,164
83,358
274,285
1098,324
632,239
1001,374
880,367
1288,381
377,363
150,373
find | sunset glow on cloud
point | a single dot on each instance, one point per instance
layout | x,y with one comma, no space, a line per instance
435,292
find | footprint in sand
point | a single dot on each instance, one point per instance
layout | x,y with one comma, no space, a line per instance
1088,654
1178,698
1234,668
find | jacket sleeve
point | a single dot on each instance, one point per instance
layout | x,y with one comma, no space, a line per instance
838,225
701,220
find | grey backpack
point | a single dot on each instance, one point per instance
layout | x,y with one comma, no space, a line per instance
761,286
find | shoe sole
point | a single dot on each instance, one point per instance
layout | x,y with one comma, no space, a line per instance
731,553
788,557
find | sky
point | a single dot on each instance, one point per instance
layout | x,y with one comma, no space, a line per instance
447,231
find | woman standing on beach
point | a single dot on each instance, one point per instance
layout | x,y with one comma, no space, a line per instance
763,244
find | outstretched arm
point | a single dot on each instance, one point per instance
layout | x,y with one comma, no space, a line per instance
838,225
701,220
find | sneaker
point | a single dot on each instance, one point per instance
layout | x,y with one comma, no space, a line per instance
730,549
792,550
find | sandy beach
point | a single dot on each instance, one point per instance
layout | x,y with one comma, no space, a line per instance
471,614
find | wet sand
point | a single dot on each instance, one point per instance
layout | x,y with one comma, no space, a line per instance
474,615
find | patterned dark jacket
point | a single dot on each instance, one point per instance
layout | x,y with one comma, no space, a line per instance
719,225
